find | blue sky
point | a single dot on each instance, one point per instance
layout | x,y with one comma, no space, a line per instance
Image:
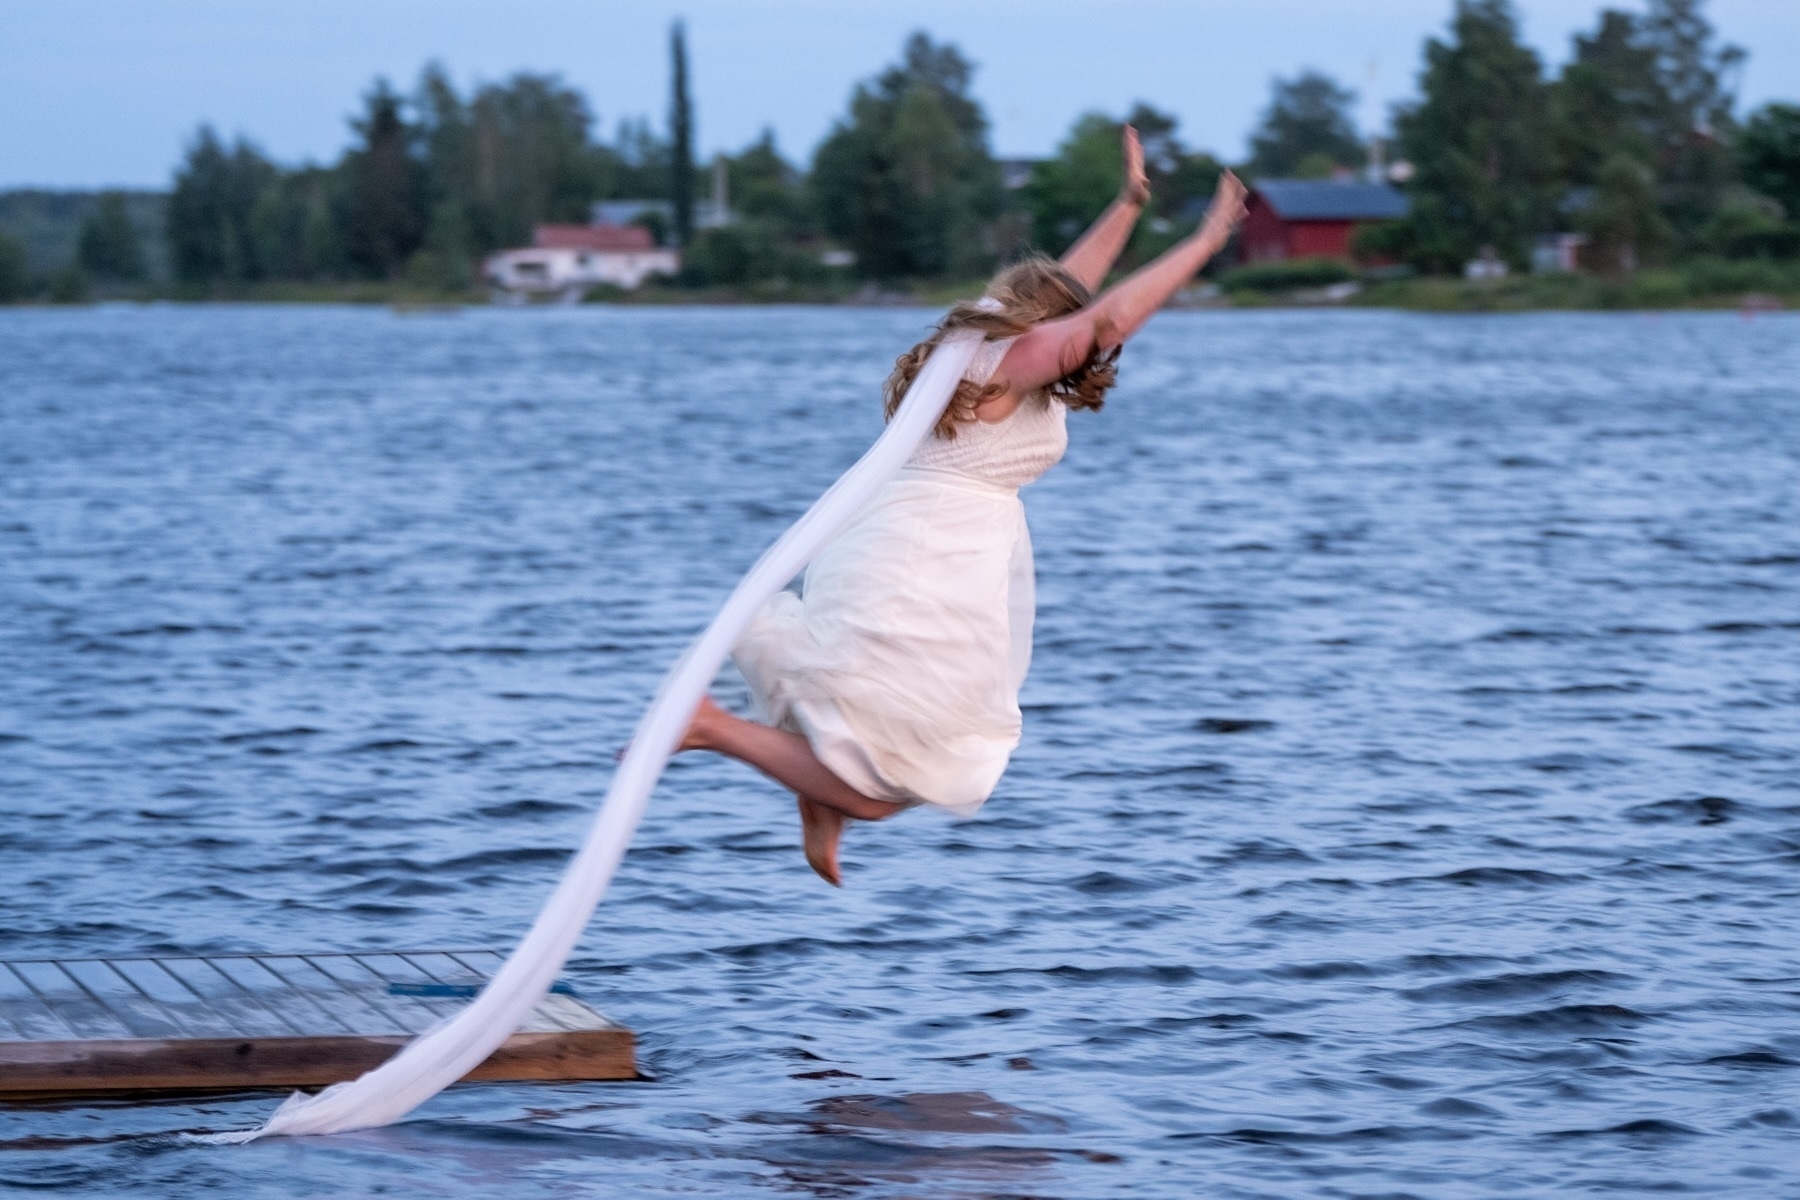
96,92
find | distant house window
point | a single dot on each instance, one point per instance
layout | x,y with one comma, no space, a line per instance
532,270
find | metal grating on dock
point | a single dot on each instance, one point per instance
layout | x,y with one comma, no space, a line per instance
269,1020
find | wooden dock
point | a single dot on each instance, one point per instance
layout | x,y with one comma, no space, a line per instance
269,1020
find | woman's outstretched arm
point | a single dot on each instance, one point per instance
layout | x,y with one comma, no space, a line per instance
1095,251
1055,348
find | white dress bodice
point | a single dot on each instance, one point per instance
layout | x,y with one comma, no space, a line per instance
1009,453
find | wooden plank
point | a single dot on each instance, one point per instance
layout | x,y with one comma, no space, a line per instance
100,1025
24,1008
444,968
183,1006
248,1015
62,996
173,1064
141,1015
340,1011
410,1014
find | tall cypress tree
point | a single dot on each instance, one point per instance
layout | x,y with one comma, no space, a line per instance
681,138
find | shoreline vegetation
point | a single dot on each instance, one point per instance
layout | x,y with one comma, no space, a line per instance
1702,285
1622,178
1707,287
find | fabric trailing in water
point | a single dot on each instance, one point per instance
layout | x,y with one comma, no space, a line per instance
438,1058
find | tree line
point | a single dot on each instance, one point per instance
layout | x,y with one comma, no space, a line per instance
1633,142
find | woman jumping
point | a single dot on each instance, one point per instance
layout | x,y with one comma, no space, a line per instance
893,680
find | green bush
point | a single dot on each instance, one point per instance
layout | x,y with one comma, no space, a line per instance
750,251
69,286
437,271
1653,289
1724,277
1746,232
1287,275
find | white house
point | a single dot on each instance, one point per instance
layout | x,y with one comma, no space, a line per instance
571,258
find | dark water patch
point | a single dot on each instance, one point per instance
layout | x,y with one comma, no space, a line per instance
1650,1130
1575,1019
1532,635
1454,1108
1598,689
172,629
1105,883
1232,725
1774,1118
1753,1059
514,809
517,856
1488,877
1734,750
389,745
399,888
940,1112
1159,974
1513,986
1314,972
1368,1135
1706,810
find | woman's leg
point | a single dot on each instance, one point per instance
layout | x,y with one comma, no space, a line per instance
826,802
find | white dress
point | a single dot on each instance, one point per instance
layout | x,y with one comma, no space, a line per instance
901,659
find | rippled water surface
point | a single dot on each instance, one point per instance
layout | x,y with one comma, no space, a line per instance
1409,802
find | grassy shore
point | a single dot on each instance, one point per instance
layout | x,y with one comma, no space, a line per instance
1698,284
1701,284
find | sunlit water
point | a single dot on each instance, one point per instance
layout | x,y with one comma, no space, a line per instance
1409,802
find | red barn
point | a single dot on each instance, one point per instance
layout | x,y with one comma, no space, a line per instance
1312,218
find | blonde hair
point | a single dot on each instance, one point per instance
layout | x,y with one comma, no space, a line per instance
1029,292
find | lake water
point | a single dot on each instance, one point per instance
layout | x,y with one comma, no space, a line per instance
1409,802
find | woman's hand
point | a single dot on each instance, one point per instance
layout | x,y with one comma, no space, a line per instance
1135,189
1052,349
1095,251
1226,209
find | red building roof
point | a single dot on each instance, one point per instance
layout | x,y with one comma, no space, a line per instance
1331,200
592,237
1304,218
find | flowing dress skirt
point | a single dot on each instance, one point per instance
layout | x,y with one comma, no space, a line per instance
901,659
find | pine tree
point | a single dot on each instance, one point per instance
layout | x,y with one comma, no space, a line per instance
1307,129
1480,142
109,248
906,179
1769,149
209,214
1608,100
1694,164
384,221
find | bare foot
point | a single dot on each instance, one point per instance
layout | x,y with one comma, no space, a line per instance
706,715
821,830
698,735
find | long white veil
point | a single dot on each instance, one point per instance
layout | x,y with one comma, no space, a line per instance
446,1053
